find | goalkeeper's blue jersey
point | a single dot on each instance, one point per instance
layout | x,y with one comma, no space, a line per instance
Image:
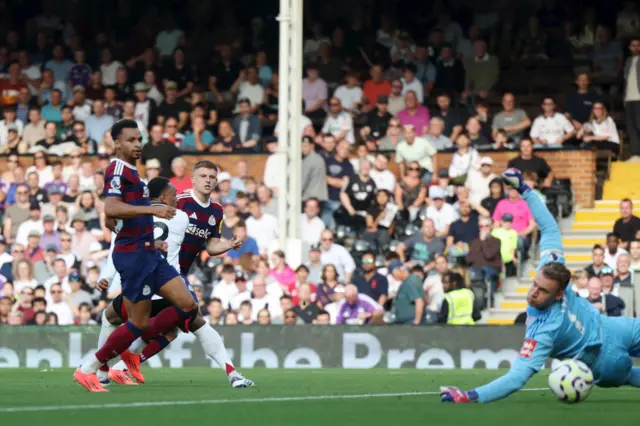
570,328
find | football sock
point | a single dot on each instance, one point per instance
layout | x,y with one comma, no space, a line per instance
153,348
213,346
167,320
137,346
116,343
634,377
106,328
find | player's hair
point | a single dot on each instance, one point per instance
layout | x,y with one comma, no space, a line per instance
157,186
205,164
119,126
557,272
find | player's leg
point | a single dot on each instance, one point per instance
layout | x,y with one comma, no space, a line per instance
111,319
150,349
213,346
634,351
550,236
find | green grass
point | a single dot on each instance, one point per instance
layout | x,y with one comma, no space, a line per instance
215,403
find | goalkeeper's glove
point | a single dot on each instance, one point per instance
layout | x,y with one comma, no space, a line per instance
457,396
513,179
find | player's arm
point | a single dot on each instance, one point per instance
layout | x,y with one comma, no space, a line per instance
217,245
115,207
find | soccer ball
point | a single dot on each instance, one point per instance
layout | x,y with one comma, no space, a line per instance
571,381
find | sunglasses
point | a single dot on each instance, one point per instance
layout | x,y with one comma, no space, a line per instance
367,261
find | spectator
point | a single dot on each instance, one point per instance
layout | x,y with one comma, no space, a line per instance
414,114
261,300
450,72
410,192
314,172
403,50
52,111
50,139
98,123
242,297
34,131
17,214
551,129
314,264
532,43
248,87
484,253
330,65
607,56
380,220
82,237
608,304
409,301
623,276
276,162
375,89
311,226
628,225
339,170
160,149
508,238
247,125
512,120
411,84
350,95
415,149
523,222
396,98
601,130
358,309
226,141
60,306
377,121
422,247
10,120
356,197
453,118
371,283
482,73
464,160
479,182
23,275
439,211
529,162
337,255
613,251
606,275
199,139
435,136
579,283
180,180
338,122
13,144
634,255
261,226
597,261
314,93
267,202
329,289
632,98
304,308
225,289
393,137
458,307
579,104
463,231
382,177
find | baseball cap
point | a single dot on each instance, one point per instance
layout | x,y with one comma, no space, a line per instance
140,87
224,176
78,217
607,270
48,218
12,127
436,192
34,206
52,247
486,161
382,99
74,276
34,233
78,88
507,217
153,163
395,264
171,85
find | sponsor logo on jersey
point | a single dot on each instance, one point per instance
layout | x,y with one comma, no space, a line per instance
212,220
194,216
528,347
197,232
146,192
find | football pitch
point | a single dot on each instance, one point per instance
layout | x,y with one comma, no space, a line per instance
327,397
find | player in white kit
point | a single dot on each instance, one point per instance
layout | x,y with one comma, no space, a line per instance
169,235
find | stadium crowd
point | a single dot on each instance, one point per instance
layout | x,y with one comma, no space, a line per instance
385,242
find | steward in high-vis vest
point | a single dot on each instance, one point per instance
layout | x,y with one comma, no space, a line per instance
457,307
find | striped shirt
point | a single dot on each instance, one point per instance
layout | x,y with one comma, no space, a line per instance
205,222
123,181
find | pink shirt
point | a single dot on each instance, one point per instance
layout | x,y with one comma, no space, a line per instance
419,120
518,209
286,277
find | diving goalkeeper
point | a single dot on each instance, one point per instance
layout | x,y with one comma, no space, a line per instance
560,324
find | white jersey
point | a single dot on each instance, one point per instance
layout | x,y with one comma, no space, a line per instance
172,231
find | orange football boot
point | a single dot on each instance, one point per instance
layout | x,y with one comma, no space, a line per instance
132,362
120,377
88,381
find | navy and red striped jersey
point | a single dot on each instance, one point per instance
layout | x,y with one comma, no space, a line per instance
205,222
122,180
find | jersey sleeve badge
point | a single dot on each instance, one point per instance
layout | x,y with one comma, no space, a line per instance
116,185
528,347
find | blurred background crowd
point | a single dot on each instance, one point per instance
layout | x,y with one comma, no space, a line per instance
387,236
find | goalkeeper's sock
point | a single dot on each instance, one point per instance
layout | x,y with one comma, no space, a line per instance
634,377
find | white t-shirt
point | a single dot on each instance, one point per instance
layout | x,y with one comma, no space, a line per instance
606,127
611,260
421,150
4,130
349,97
81,112
63,311
45,175
478,185
339,123
310,230
551,129
258,304
443,217
109,73
263,230
275,164
236,300
464,163
414,86
339,257
253,92
433,284
225,292
166,41
304,122
22,236
384,179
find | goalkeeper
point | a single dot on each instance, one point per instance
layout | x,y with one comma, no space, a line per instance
560,324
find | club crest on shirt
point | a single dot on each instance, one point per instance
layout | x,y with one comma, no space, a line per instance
115,183
212,220
146,192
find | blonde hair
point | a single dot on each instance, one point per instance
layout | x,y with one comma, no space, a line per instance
605,113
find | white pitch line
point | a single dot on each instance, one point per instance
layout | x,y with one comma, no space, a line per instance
217,401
